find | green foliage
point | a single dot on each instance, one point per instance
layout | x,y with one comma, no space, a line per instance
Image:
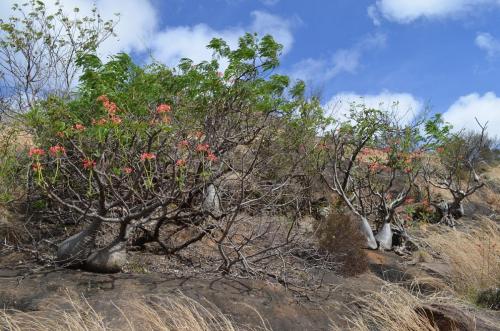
12,161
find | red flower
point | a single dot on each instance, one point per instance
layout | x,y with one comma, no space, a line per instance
409,200
110,106
128,170
440,150
148,156
101,121
88,163
211,157
36,167
36,151
180,163
202,147
79,127
163,108
102,98
183,144
116,119
57,150
199,135
407,170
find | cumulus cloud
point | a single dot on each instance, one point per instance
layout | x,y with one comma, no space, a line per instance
488,43
406,11
139,29
486,108
136,26
174,43
343,60
403,105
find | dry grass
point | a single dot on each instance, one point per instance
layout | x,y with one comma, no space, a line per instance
474,257
179,314
393,308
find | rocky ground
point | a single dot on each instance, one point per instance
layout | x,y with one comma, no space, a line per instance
34,289
427,277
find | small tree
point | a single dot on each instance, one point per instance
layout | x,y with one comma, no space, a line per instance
38,51
456,168
372,163
189,151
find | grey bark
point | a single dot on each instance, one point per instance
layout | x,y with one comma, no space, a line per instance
384,237
211,201
371,242
109,259
75,250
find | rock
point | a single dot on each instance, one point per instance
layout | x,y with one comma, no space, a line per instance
109,259
450,318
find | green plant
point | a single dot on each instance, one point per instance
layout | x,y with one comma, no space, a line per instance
184,150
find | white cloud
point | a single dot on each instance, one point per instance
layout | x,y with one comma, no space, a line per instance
488,43
486,108
138,21
403,105
406,11
343,60
269,2
139,30
174,43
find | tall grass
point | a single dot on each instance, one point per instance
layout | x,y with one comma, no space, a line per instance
159,314
474,257
392,308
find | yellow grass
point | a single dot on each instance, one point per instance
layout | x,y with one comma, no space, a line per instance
163,314
474,256
393,308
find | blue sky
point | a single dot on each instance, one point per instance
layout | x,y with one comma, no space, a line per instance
441,54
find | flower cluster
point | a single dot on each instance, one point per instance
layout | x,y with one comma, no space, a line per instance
79,127
37,167
183,144
88,164
111,109
163,108
36,152
148,156
57,150
205,149
181,163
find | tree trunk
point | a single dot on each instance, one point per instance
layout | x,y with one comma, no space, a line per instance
384,237
113,257
109,259
75,250
371,242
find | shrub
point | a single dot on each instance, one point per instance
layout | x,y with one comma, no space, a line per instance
182,150
341,237
13,142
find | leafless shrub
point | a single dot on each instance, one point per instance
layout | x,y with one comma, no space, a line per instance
342,239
